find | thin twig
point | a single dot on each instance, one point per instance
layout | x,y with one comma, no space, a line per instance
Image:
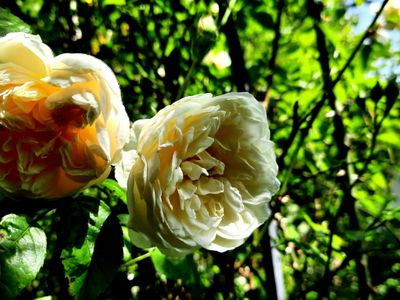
359,45
188,76
138,258
274,54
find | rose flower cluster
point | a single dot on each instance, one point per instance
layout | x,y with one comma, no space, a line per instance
199,174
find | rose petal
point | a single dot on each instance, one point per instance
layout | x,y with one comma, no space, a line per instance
204,175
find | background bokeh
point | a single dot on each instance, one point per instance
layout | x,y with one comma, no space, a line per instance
327,73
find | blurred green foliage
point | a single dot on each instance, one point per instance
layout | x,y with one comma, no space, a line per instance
332,99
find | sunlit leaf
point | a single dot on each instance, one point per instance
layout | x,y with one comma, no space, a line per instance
113,186
175,268
11,23
365,54
22,253
114,2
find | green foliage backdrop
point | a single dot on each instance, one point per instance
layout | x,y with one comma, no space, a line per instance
328,78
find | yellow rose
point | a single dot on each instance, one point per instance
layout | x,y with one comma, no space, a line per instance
62,121
203,174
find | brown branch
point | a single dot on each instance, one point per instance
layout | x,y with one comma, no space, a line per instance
274,54
267,262
360,43
240,75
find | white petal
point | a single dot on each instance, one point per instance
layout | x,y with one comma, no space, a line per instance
103,140
110,92
26,50
193,171
210,185
186,190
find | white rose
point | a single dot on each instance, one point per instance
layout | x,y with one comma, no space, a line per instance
62,121
203,174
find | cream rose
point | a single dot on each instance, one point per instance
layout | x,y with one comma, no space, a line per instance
62,121
201,174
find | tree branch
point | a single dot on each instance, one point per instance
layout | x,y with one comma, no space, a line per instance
240,75
274,54
310,117
348,201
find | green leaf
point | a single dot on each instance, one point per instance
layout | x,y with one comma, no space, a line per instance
391,93
376,92
113,186
365,55
74,221
76,260
389,137
175,268
322,228
264,19
91,267
114,2
360,101
11,23
390,215
106,259
22,253
312,295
